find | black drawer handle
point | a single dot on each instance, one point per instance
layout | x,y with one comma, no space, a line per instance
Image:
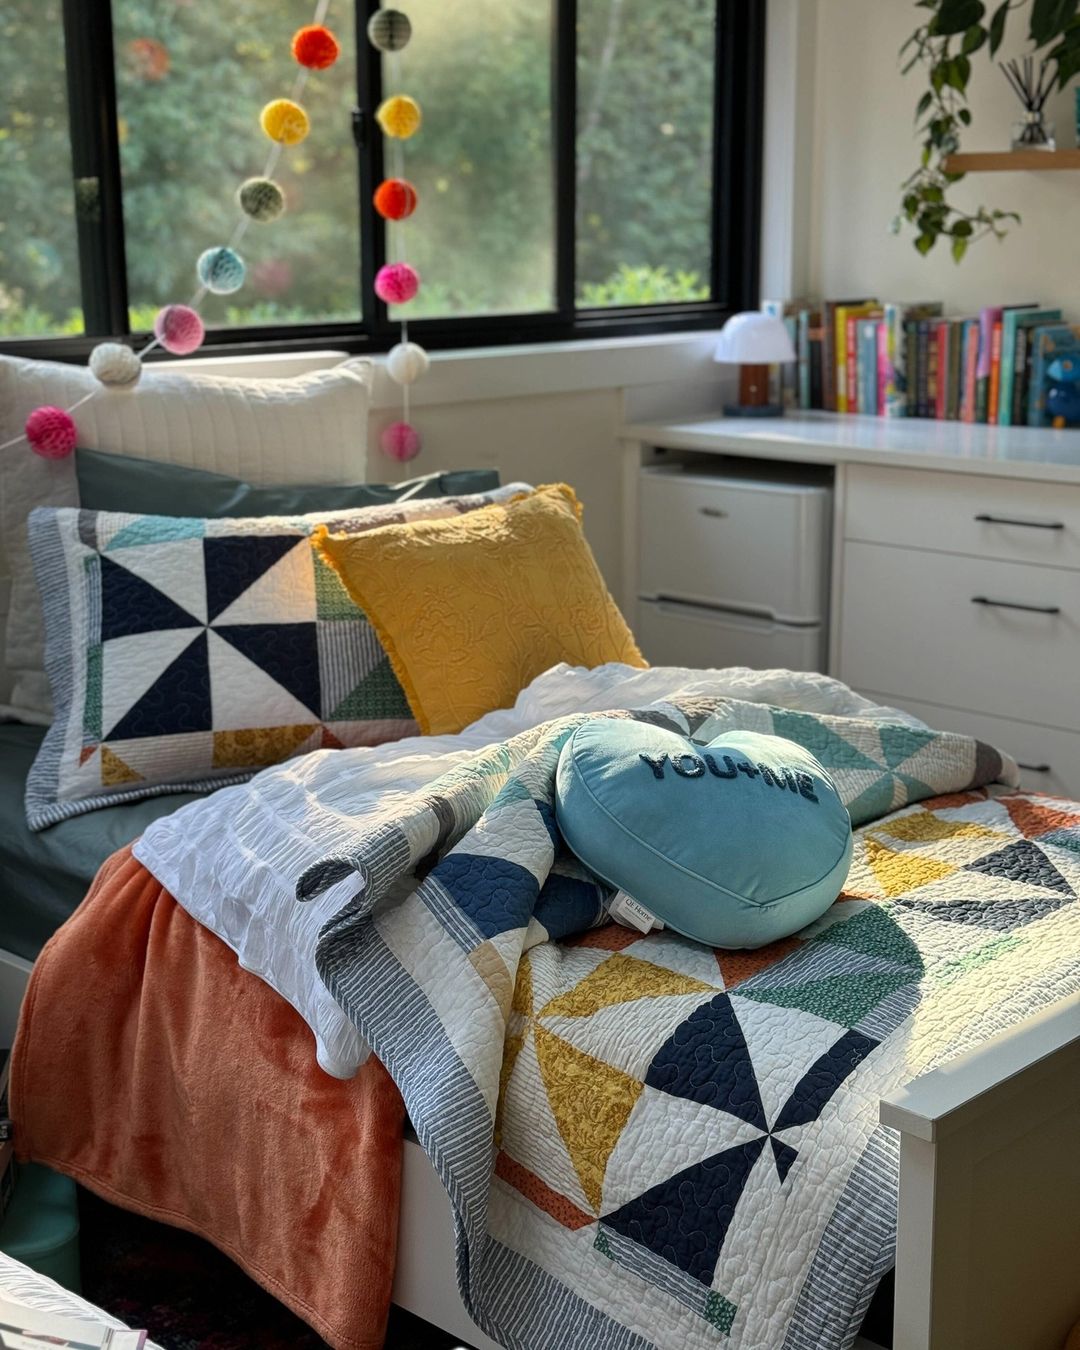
1034,768
713,512
1012,604
1027,524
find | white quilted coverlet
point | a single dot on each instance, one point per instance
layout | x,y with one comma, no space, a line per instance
233,859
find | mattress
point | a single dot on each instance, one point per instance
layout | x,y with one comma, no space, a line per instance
44,876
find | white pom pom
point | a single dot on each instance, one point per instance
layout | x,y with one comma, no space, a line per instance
407,362
115,365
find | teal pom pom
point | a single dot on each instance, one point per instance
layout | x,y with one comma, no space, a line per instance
221,270
261,199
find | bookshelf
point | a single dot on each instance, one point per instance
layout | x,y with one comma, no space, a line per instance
1012,161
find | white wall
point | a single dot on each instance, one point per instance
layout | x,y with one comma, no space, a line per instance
864,146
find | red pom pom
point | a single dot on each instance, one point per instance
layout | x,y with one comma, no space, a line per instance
395,199
401,441
51,432
315,47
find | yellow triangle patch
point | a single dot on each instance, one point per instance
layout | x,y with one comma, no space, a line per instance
924,827
256,746
523,991
591,1103
491,968
114,772
622,979
898,873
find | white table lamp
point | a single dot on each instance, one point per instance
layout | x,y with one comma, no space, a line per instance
754,342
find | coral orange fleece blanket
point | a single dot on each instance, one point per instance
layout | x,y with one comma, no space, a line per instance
155,1071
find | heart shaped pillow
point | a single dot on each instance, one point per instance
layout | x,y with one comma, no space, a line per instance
735,843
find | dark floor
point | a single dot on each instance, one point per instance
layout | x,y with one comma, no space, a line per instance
190,1297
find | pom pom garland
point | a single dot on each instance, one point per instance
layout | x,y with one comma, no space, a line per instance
285,121
407,362
262,199
401,441
115,365
315,47
51,432
389,30
179,329
397,283
221,270
399,116
395,199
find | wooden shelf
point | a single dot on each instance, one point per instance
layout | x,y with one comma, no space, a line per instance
1011,161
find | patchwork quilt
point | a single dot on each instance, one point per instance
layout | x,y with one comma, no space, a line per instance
647,1142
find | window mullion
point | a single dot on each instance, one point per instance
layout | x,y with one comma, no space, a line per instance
95,160
564,107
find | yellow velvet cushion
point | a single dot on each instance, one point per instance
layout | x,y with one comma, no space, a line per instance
471,609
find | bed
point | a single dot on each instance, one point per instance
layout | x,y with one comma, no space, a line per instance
983,1143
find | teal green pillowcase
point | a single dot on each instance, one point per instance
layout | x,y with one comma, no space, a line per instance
144,487
736,843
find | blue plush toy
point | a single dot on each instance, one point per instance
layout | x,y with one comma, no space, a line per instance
735,843
1063,391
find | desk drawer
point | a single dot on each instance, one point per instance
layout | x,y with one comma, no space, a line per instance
740,544
910,627
686,635
942,511
1049,759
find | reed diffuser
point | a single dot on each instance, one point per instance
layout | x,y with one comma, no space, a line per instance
1032,87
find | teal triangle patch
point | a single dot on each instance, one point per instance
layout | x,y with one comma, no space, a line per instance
876,933
156,530
332,602
845,999
874,801
377,696
899,742
810,732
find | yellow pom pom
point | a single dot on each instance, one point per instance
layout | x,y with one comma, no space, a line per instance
285,121
399,116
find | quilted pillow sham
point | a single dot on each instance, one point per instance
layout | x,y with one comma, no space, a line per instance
186,653
471,611
307,428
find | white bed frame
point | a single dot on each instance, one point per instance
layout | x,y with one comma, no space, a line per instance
988,1244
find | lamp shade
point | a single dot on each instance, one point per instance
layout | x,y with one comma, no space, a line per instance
753,339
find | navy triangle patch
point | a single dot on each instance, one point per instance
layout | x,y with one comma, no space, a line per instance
287,652
706,1060
130,605
1024,863
177,702
233,564
1000,915
823,1077
784,1155
685,1219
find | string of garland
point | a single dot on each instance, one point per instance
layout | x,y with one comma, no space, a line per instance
397,283
220,270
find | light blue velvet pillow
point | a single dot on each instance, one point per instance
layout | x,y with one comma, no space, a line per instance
736,843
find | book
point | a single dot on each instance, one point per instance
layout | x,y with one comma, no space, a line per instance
995,373
866,398
897,317
941,361
884,366
988,316
829,353
806,320
970,366
817,390
25,1328
1048,342
1013,322
847,316
928,341
956,337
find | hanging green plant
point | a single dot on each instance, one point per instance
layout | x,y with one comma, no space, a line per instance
954,31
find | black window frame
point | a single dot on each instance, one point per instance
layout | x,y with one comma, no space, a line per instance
736,206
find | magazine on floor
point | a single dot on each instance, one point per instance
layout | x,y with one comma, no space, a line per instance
26,1328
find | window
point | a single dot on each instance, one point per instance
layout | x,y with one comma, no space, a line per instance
585,167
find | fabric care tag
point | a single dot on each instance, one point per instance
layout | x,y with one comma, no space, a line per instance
625,909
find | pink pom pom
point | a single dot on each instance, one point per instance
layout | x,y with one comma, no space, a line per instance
179,329
401,441
51,432
397,283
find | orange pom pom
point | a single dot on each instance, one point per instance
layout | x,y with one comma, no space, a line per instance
395,199
315,47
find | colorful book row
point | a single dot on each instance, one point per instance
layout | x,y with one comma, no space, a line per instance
1013,365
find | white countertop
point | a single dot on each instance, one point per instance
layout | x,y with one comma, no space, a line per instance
904,443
